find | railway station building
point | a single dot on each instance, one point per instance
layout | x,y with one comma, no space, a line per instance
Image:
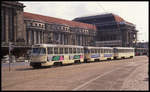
112,30
45,29
25,29
13,28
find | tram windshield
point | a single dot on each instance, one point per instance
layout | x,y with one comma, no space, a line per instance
38,50
115,50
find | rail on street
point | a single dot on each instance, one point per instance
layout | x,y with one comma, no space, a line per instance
123,74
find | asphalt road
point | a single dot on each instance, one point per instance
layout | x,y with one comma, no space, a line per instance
126,74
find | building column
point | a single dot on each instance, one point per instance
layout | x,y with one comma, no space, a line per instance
63,38
6,25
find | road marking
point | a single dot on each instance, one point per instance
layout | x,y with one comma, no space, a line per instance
88,82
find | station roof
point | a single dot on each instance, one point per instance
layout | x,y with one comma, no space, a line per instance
116,17
58,21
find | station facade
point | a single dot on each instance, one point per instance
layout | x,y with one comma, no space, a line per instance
45,29
112,30
25,29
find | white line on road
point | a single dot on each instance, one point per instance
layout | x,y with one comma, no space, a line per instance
88,82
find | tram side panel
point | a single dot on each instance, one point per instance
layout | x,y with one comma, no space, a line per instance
97,54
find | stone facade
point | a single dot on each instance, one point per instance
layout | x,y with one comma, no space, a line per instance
25,29
43,29
112,30
12,23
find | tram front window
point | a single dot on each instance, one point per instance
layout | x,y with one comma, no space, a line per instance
115,50
38,51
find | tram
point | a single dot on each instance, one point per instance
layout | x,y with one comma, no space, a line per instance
97,53
50,54
55,54
123,52
141,51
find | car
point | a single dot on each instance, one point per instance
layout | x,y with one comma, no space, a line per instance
5,59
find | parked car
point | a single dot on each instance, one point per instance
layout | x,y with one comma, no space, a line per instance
5,59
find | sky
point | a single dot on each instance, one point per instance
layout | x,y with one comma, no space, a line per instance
135,12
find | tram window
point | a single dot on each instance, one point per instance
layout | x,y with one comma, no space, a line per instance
39,50
78,50
66,50
43,50
70,50
98,50
92,50
55,50
85,50
119,50
61,50
89,51
74,50
50,50
95,50
104,51
108,50
82,50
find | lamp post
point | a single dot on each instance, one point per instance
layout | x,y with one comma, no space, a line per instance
10,49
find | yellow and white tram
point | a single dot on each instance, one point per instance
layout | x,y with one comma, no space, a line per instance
123,52
50,54
97,53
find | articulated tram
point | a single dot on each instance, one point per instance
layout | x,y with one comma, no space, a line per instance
98,53
51,54
123,52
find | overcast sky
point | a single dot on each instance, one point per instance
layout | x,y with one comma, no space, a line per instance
134,12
